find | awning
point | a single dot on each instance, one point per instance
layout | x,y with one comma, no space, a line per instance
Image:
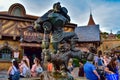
30,45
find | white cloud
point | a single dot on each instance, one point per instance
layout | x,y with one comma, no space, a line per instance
106,14
5,4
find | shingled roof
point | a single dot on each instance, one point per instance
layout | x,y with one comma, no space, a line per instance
88,34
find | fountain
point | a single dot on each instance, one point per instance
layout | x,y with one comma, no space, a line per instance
51,24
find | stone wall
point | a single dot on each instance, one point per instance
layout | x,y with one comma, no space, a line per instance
107,45
4,65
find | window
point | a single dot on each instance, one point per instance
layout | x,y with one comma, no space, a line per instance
5,53
17,12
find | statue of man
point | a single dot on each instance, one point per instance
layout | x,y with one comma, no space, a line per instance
57,17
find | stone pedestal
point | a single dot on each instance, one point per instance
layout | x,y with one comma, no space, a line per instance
55,76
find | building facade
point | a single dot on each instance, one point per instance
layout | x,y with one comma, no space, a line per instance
109,43
89,35
15,37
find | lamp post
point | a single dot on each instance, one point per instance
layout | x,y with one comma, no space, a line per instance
16,54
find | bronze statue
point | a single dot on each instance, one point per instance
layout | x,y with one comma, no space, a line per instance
60,60
53,23
63,57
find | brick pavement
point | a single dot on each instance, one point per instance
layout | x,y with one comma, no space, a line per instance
3,75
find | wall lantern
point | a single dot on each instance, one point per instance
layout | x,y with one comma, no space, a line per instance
16,53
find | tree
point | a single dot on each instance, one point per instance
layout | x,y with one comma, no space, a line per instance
118,34
104,35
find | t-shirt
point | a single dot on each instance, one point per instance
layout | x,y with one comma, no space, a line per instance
50,67
25,71
112,69
95,58
88,69
100,62
13,70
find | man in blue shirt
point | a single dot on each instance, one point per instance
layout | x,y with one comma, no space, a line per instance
90,70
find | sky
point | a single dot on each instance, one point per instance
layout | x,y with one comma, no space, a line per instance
106,13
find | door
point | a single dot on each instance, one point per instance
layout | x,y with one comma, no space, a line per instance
32,52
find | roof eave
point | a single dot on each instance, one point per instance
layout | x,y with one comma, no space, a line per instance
88,41
19,18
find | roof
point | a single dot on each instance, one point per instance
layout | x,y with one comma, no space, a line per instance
91,20
17,12
13,19
88,34
111,36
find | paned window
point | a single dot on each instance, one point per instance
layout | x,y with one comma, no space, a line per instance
5,53
17,12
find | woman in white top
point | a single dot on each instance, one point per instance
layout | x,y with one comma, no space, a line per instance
106,59
27,59
12,70
24,69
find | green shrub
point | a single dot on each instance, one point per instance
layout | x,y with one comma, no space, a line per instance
84,61
75,62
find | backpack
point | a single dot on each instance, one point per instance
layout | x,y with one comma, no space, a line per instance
100,62
39,69
16,75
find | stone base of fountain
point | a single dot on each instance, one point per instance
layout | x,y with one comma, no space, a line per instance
55,76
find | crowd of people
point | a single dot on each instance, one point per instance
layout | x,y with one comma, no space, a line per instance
22,69
102,67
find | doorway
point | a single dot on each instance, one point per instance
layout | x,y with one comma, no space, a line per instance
32,52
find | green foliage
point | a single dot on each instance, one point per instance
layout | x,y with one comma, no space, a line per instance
75,62
104,35
84,61
118,36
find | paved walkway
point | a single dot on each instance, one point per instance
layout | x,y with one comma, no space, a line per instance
3,75
75,74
